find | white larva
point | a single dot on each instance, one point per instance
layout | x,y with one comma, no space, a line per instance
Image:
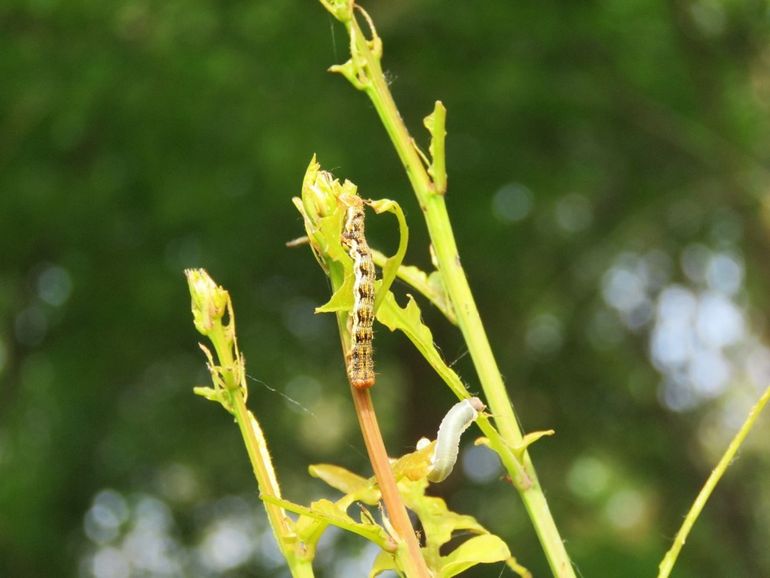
455,422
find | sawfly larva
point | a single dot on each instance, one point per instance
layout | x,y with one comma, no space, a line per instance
455,422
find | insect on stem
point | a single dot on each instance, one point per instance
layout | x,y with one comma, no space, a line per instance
360,359
455,422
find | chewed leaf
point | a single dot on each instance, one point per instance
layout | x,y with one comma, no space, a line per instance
438,521
323,214
342,10
435,122
329,229
409,320
349,71
347,482
439,524
330,513
429,286
392,264
342,300
382,563
209,393
484,549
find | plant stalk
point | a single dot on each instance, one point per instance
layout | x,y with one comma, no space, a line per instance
432,203
667,564
256,448
394,505
378,456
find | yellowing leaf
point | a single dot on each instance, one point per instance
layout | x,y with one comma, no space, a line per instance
438,521
415,465
382,563
484,549
347,482
331,513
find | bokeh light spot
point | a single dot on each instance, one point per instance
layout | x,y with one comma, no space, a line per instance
512,203
588,477
480,464
54,285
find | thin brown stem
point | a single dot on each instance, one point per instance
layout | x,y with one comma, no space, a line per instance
394,506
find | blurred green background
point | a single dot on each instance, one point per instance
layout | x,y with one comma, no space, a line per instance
608,168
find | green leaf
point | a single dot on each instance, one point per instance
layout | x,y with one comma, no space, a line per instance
435,122
390,269
329,234
342,10
531,438
352,72
409,321
342,300
429,286
484,549
327,244
209,393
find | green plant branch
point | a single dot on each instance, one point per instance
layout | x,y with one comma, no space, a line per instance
667,564
261,465
210,305
363,70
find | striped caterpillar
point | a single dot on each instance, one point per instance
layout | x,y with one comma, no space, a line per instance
360,361
456,421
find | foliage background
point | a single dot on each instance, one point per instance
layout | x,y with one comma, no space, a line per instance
608,181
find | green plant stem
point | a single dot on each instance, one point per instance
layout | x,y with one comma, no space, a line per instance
433,206
664,570
256,448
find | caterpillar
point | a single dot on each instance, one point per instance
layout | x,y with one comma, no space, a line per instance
360,360
455,422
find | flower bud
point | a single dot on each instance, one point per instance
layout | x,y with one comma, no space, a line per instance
319,192
209,300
